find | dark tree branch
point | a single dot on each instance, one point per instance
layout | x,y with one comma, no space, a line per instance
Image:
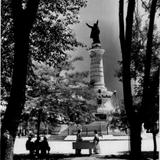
121,24
144,4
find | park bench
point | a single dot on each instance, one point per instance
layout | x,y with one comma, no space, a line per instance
83,145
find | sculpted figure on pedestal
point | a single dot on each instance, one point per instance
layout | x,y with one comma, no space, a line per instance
94,32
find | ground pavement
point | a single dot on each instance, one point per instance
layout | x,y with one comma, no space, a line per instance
109,145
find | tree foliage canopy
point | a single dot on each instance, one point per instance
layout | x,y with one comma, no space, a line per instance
61,99
50,39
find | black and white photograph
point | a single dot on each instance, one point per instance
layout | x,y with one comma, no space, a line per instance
80,80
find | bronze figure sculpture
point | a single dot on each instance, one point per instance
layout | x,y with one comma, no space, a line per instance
94,32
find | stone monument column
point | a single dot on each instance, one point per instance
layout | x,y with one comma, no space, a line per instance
96,68
96,72
97,79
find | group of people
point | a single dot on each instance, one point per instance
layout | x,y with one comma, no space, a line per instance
37,147
42,148
96,148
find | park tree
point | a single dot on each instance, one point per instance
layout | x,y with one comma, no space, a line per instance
119,118
150,79
150,71
19,19
22,25
127,41
50,22
59,100
148,110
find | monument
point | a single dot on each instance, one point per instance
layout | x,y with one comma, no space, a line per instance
96,52
97,83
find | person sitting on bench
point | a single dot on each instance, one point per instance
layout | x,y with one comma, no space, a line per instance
79,139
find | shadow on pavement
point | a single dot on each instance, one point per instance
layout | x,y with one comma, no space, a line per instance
122,156
125,155
49,157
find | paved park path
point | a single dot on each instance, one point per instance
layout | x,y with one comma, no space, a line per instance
110,146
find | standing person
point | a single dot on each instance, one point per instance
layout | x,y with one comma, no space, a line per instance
30,146
79,139
45,148
96,149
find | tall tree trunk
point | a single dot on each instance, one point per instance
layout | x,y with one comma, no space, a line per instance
135,139
146,84
23,20
39,122
121,24
126,42
17,96
135,127
147,100
155,146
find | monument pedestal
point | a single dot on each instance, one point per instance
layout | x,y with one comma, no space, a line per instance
103,100
96,68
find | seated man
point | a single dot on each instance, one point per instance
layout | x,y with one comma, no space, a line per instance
79,139
30,146
45,148
37,146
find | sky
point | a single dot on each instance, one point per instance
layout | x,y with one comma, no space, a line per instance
106,11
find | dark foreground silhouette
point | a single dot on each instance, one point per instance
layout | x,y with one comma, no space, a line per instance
122,156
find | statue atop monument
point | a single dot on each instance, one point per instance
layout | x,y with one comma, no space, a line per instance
94,32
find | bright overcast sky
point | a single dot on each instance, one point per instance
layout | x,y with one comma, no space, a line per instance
106,11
